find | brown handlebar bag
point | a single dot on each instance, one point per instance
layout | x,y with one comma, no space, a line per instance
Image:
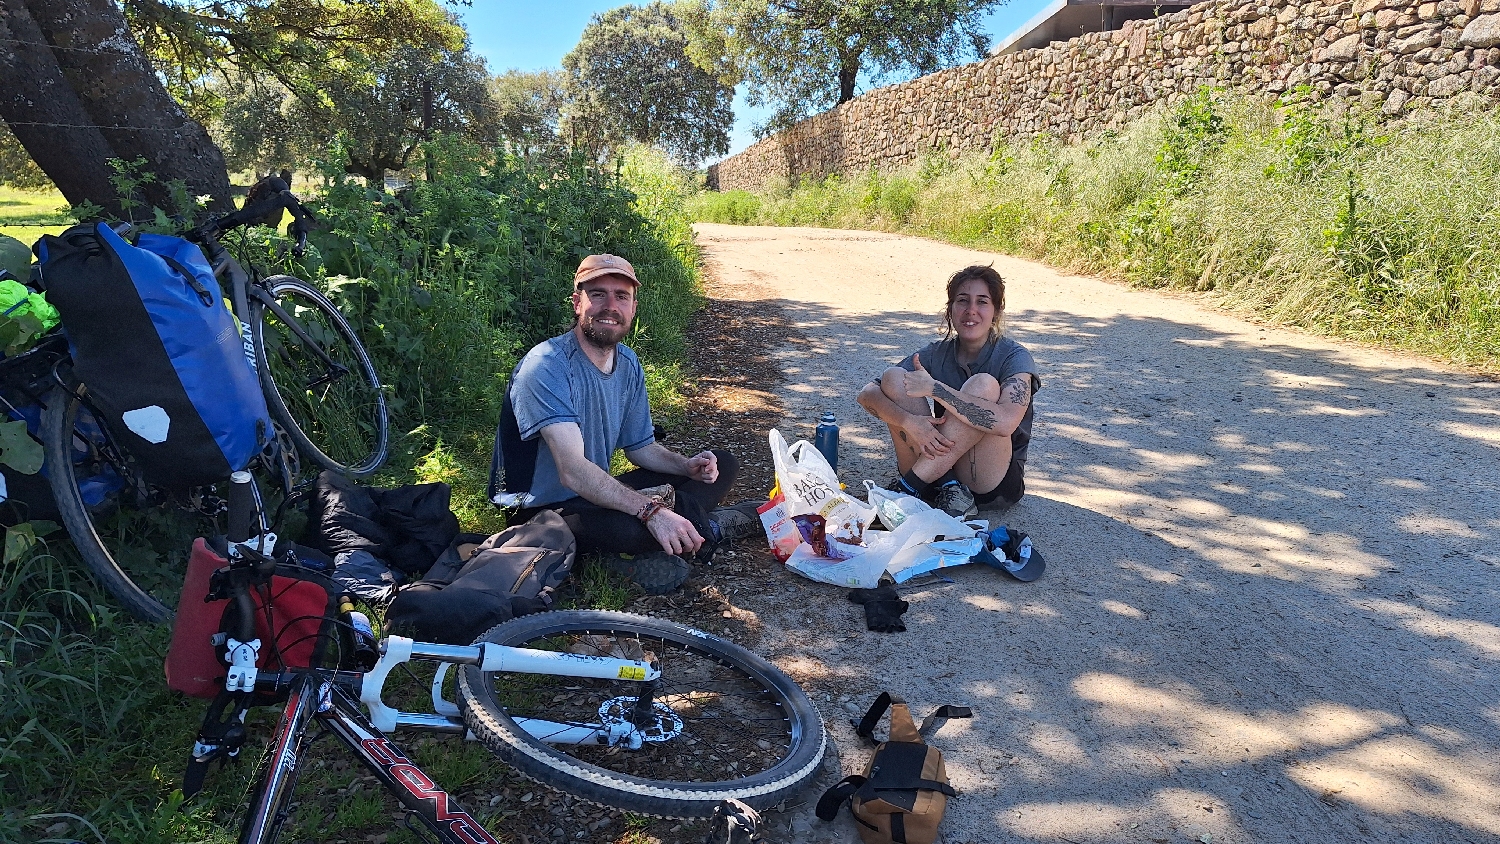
904,791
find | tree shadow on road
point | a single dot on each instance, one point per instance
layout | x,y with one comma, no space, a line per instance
1270,612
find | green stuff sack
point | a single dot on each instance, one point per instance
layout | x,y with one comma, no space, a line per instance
904,791
16,300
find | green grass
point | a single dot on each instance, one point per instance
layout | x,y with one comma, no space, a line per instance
482,259
1386,234
27,215
36,208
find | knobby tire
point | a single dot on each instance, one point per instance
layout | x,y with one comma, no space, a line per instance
730,700
58,421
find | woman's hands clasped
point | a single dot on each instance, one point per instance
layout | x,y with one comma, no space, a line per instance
923,432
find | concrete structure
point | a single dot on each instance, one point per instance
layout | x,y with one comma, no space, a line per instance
1064,19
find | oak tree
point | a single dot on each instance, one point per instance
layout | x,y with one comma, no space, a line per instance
630,79
529,108
806,56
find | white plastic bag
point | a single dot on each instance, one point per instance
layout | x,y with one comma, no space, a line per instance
893,508
926,557
923,527
856,572
811,487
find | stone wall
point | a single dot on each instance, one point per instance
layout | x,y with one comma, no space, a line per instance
1392,56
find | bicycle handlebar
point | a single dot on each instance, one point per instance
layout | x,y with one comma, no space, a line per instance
282,199
241,507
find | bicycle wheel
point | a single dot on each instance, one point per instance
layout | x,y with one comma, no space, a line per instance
133,537
747,731
118,544
335,414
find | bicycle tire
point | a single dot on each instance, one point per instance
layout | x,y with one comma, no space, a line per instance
729,700
59,419
351,424
135,539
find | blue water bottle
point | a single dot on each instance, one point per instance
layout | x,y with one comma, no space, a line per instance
826,439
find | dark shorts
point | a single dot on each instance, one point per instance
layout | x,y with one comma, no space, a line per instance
1011,487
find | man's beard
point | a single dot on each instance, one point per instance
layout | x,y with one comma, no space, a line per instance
604,337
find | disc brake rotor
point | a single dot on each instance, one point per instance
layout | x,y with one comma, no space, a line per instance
666,726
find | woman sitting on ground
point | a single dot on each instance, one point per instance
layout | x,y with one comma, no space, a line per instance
972,452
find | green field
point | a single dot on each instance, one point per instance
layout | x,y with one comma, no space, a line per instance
27,215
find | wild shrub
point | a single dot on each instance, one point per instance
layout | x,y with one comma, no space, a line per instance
737,207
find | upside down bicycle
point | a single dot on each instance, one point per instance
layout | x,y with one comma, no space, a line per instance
626,711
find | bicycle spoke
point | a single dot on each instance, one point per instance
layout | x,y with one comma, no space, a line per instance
322,381
732,728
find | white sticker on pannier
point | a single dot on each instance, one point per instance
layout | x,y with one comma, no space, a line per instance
151,423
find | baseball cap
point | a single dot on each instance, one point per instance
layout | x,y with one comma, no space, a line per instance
1017,557
595,266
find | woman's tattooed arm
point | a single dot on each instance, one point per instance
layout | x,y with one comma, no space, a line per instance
1001,417
977,416
1017,389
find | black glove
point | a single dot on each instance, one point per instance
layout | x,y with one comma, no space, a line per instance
883,608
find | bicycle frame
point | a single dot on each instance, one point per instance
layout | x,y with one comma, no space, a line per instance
491,657
322,698
316,700
242,288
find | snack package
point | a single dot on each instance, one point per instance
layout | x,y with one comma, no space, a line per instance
781,531
814,532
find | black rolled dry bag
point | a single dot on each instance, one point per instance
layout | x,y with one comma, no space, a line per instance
162,357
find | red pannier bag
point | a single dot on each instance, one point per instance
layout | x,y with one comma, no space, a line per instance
296,620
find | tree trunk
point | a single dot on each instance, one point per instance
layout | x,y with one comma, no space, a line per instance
848,75
117,86
43,113
427,119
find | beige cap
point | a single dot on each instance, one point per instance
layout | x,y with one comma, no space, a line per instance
595,266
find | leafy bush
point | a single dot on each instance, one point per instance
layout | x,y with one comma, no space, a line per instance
1326,220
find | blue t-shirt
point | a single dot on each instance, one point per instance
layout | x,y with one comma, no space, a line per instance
1003,358
556,382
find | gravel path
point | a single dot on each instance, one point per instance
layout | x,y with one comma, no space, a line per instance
1270,612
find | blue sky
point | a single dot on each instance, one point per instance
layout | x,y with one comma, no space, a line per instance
528,35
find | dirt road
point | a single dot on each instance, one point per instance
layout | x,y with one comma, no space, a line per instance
1271,608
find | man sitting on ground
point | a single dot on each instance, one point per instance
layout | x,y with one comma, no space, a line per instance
980,383
572,401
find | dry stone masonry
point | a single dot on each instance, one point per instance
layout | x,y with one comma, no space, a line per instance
1391,56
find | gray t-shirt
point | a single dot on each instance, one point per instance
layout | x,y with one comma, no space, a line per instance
556,382
1002,358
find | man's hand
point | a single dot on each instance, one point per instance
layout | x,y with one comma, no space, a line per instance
922,434
676,534
918,381
703,466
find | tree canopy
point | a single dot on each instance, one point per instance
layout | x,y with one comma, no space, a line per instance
383,106
630,78
83,81
805,56
529,106
281,78
302,44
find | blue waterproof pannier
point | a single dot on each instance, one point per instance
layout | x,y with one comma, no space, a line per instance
164,361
